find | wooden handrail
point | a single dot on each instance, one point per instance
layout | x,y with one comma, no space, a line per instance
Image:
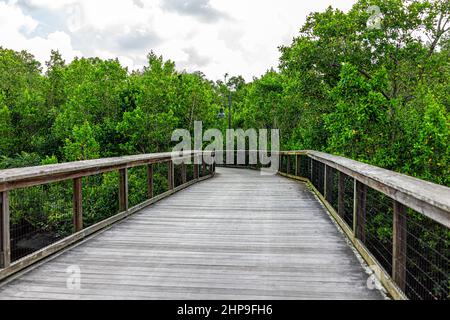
427,198
11,179
30,176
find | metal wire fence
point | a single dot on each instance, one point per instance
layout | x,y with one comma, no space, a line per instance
100,194
42,215
305,166
318,175
137,185
39,216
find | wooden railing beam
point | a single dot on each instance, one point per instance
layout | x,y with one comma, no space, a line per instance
78,204
123,190
359,212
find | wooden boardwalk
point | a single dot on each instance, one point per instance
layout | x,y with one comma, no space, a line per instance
239,235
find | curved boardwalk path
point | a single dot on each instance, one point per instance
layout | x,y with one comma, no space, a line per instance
239,235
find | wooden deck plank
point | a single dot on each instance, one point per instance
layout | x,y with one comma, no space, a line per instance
239,235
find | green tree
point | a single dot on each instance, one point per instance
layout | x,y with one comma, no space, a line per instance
82,145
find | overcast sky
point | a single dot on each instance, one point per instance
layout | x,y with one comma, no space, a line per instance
213,36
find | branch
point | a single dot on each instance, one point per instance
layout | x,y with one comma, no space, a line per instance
370,78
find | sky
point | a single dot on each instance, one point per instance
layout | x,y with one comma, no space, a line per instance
238,37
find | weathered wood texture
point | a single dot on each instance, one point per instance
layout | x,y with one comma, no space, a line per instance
237,236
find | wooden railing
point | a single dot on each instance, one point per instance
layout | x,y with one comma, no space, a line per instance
13,180
399,224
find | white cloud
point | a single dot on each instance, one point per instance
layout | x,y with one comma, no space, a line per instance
17,27
214,36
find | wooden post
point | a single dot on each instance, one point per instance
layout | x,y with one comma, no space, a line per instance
150,180
183,173
171,175
5,242
341,194
359,210
123,190
196,173
297,165
399,245
328,184
78,204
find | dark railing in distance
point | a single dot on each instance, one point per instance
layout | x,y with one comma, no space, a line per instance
399,224
46,208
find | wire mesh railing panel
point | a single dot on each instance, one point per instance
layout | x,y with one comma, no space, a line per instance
100,197
318,175
426,264
378,227
292,164
304,166
283,164
160,178
202,170
137,185
346,198
39,216
427,258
